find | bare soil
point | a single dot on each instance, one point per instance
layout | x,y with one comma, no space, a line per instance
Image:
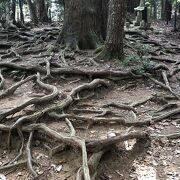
155,159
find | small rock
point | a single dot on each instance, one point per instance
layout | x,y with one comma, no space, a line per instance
59,168
111,134
2,177
40,172
19,174
37,143
92,132
177,152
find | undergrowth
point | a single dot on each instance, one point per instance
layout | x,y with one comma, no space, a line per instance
139,60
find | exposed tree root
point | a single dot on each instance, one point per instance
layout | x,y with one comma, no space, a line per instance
62,58
2,83
22,146
45,98
163,59
64,104
166,115
29,156
68,71
167,106
170,136
69,140
162,85
13,88
98,145
99,120
121,106
15,165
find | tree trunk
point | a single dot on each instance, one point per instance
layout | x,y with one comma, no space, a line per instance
154,4
21,11
131,5
115,31
100,17
13,9
42,11
78,29
163,13
32,12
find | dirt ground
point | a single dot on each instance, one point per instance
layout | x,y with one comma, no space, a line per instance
157,159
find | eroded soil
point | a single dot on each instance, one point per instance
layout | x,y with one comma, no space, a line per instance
158,158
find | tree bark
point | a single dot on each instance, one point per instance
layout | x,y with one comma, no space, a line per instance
32,12
13,9
78,29
21,11
115,31
42,11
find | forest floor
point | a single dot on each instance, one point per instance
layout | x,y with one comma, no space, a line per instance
101,100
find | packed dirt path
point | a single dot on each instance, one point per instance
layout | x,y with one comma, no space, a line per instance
77,97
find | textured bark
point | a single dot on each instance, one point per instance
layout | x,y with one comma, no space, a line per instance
115,31
42,11
13,9
131,5
21,10
101,17
78,29
32,12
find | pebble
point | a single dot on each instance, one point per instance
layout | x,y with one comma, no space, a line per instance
2,177
111,134
177,152
59,168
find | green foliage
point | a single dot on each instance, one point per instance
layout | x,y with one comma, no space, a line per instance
130,60
141,64
142,49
